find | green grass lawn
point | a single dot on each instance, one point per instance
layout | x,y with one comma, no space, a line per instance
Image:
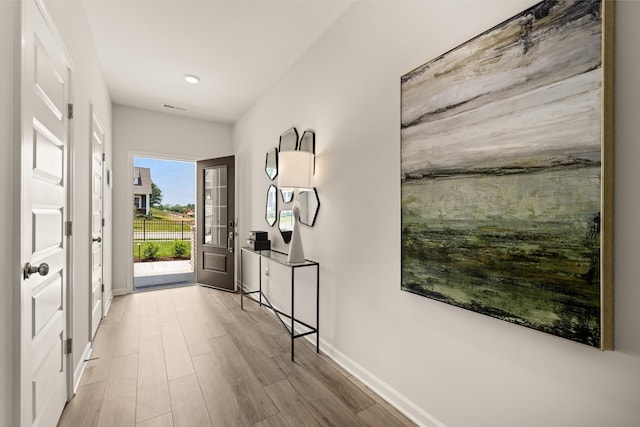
162,214
166,251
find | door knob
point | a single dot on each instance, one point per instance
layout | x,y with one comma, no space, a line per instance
97,239
42,269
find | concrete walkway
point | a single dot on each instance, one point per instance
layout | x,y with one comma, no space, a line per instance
160,267
162,273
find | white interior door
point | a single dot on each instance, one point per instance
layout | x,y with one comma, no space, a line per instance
97,160
44,247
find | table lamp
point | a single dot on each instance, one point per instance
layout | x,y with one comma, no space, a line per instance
295,169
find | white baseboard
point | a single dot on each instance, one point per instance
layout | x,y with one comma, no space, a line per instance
108,305
77,374
118,291
382,389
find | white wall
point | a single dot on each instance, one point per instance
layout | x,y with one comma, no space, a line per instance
141,132
88,88
440,364
9,264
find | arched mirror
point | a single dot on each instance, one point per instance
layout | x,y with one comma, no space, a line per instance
271,164
287,196
289,140
271,212
309,207
286,224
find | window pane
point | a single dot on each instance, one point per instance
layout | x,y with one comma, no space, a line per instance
215,206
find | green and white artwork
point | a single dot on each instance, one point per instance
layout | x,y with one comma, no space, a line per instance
502,173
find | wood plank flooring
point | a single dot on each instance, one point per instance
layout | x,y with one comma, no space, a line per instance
189,357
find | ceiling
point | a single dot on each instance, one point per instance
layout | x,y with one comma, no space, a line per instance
238,49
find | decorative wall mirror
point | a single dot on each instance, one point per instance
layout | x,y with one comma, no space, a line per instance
309,200
287,196
271,212
289,140
286,224
309,207
271,164
308,142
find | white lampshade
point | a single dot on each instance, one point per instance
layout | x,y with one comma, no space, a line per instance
295,169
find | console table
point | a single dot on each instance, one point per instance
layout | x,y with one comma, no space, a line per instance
281,258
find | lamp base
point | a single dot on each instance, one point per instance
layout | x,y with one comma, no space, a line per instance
296,252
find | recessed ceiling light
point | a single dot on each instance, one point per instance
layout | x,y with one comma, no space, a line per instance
190,78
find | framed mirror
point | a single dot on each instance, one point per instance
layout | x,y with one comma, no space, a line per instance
271,164
271,211
287,196
285,224
309,207
289,140
308,142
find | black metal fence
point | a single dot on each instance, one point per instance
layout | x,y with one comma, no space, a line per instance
157,229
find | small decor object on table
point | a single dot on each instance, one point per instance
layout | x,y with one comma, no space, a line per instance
259,241
258,235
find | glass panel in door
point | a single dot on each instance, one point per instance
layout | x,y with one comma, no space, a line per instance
215,206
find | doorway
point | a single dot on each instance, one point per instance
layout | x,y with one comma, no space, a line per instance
163,223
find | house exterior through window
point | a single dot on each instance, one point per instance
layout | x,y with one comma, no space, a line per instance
141,190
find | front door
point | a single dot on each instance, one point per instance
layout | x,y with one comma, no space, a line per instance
215,223
97,288
44,244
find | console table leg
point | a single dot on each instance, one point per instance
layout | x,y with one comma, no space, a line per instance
317,308
260,278
241,284
293,314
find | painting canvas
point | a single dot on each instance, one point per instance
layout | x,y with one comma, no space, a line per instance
506,172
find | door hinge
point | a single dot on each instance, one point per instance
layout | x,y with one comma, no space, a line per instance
68,346
103,222
104,157
103,287
68,228
69,111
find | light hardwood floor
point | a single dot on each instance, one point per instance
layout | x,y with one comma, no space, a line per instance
190,357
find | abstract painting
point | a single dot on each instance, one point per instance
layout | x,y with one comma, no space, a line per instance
506,151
